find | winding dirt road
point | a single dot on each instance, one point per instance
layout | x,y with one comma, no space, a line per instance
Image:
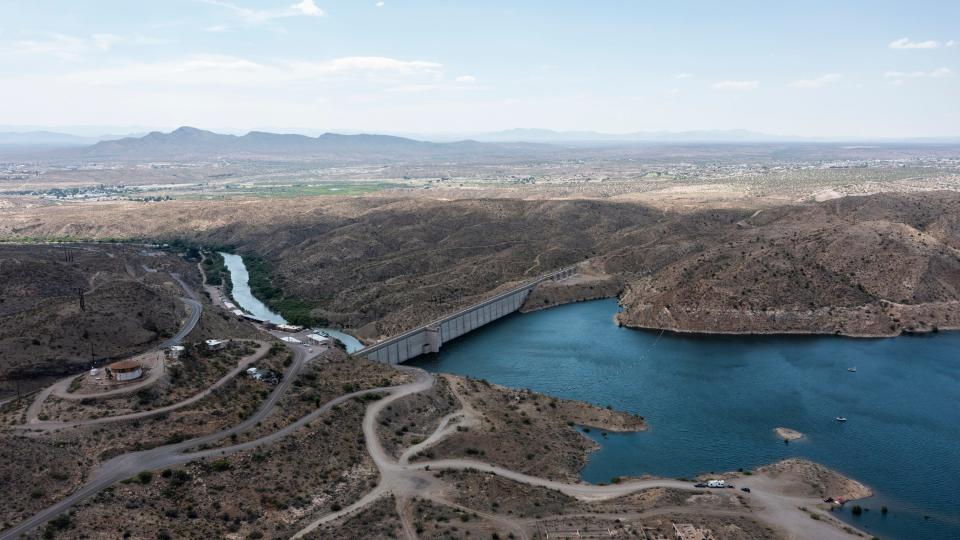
405,480
35,424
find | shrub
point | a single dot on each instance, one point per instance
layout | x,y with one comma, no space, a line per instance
857,510
145,477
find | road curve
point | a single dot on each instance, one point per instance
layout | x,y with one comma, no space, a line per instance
127,465
196,308
775,508
36,424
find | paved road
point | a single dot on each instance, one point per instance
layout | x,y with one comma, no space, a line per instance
196,308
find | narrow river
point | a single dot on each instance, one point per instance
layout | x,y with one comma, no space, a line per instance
713,403
243,296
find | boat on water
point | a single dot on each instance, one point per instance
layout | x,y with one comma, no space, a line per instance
852,369
841,419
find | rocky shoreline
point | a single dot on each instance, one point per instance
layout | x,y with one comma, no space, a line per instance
579,288
868,321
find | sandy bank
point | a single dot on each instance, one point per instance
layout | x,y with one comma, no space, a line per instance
788,434
802,478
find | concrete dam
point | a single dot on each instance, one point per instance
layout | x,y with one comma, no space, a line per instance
429,338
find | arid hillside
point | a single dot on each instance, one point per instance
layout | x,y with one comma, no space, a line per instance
873,265
861,266
44,330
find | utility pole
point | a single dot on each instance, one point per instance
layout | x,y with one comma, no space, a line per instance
83,306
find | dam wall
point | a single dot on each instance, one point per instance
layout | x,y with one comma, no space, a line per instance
430,337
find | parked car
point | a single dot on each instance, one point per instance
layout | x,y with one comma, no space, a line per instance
746,489
701,485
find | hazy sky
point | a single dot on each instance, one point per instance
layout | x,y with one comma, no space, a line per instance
832,67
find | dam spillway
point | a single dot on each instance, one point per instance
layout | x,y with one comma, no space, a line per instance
430,337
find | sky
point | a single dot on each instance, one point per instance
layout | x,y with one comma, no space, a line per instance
831,68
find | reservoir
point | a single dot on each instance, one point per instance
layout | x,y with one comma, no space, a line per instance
712,403
243,296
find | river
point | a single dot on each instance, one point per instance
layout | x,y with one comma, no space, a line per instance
243,296
713,402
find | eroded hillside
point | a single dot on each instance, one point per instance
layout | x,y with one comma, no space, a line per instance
128,305
874,265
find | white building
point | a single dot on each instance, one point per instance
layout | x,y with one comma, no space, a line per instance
318,339
229,305
175,351
289,328
215,344
290,339
125,370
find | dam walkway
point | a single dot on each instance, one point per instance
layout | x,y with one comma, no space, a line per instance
429,337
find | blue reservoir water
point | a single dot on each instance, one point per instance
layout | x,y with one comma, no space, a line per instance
713,402
243,296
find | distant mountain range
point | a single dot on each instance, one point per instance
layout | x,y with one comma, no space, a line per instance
193,143
46,138
548,135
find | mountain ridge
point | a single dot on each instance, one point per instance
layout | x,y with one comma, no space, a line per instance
191,142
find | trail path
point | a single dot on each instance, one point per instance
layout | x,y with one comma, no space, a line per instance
405,480
60,387
34,423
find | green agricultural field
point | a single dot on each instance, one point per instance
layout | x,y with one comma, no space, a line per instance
340,189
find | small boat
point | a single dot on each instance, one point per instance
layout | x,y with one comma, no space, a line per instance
852,369
841,419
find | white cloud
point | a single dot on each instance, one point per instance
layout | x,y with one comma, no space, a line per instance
105,41
413,88
257,16
684,75
466,79
217,28
220,70
905,43
61,45
817,82
379,4
308,8
939,73
737,85
952,43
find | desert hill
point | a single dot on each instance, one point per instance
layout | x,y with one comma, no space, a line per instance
44,333
874,265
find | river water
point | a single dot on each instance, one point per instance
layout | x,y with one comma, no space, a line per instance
713,402
244,298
